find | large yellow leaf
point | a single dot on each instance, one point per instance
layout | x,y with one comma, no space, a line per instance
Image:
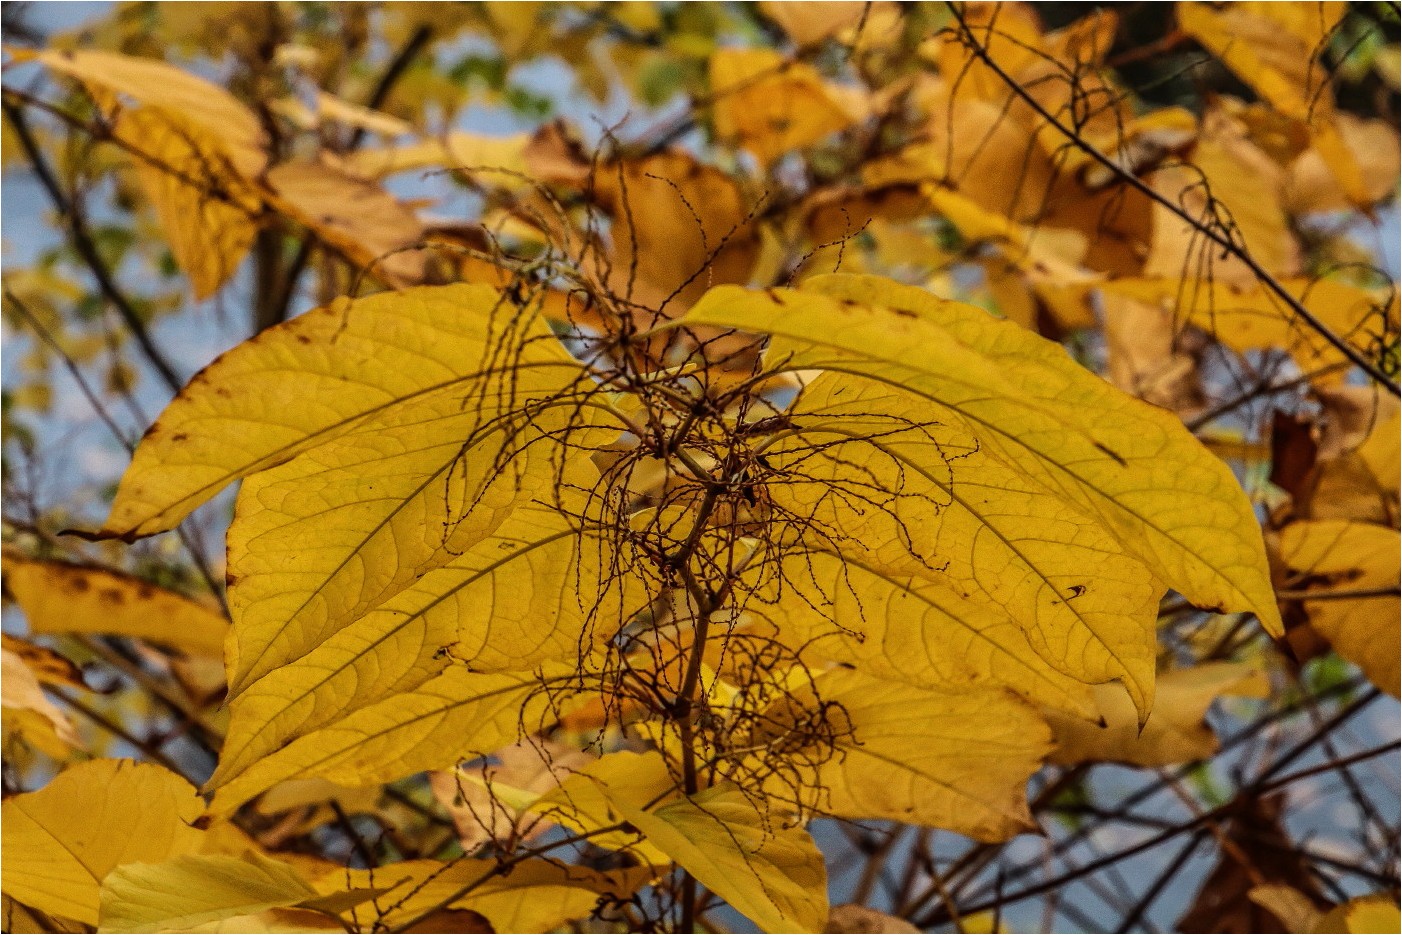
304,382
1131,469
195,889
771,106
60,597
1336,557
528,593
902,494
760,862
910,629
207,212
61,841
953,760
326,537
1175,731
530,896
454,716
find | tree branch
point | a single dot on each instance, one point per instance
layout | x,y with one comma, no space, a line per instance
87,249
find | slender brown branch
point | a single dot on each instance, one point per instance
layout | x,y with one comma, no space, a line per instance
87,249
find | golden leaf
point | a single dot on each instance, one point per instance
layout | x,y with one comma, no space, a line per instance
1175,732
1351,570
92,818
766,867
771,105
60,597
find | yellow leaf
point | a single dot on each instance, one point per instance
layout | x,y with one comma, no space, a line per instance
59,597
1344,557
455,716
1365,914
327,537
1115,462
1004,562
1244,184
858,919
380,235
183,97
300,793
531,896
953,760
488,608
771,105
761,863
1175,732
678,228
305,382
1251,317
1278,49
29,713
270,922
810,23
208,214
195,889
61,841
583,804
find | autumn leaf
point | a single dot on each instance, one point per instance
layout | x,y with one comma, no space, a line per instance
183,98
1176,731
28,712
311,387
209,215
856,414
454,716
532,896
769,870
62,597
368,225
92,818
1350,579
1253,317
772,106
194,889
955,761
1031,407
